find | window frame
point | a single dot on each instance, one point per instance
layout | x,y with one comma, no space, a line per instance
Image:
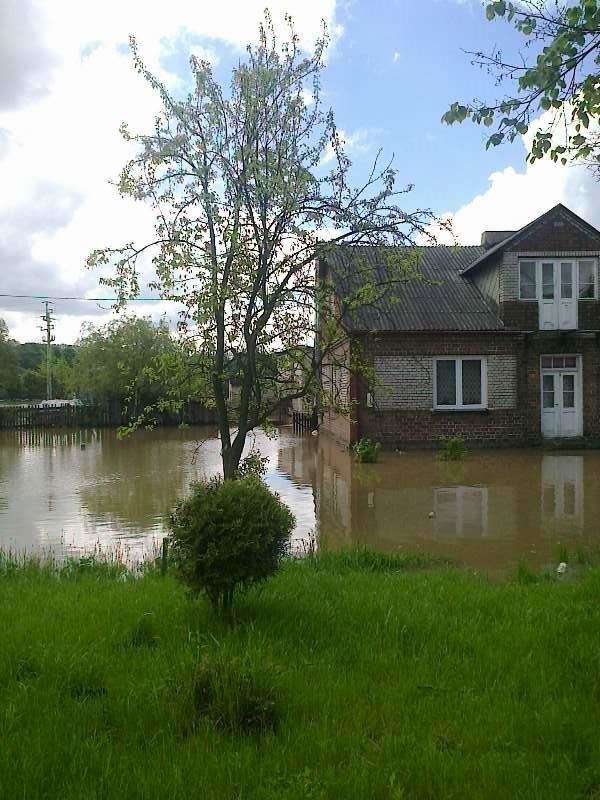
459,406
536,281
557,261
595,276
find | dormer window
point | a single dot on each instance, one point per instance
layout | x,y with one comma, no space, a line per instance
557,285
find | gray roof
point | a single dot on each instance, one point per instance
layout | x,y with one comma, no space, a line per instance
444,300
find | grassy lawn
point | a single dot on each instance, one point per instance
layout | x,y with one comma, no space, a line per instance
381,680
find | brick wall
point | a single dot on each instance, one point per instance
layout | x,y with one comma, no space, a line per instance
520,315
338,396
545,343
502,380
404,415
406,381
403,412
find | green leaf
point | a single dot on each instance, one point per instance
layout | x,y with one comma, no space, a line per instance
494,140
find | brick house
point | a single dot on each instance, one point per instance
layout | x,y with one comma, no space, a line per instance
500,343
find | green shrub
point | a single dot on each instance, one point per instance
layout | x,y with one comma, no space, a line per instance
452,448
365,451
235,696
254,464
228,535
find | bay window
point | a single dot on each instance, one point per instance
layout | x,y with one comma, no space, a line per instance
460,382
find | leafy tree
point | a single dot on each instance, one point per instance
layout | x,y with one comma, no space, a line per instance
33,383
114,362
9,376
558,74
244,181
32,354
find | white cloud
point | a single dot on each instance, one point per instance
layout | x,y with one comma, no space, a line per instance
514,197
396,56
358,141
66,84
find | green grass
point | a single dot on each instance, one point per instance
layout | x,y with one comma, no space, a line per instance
358,676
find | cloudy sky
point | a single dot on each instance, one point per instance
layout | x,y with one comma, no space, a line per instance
66,83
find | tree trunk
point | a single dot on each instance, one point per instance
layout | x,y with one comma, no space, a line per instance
231,455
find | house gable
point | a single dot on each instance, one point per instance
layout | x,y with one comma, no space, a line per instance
560,230
558,234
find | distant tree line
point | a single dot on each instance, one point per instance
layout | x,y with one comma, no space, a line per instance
123,362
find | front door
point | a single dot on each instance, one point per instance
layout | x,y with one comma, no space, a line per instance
561,397
558,301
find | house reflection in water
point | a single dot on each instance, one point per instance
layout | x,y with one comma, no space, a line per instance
490,511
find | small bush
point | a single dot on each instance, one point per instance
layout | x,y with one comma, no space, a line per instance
452,448
365,451
235,696
229,535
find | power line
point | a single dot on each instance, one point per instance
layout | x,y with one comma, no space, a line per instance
48,297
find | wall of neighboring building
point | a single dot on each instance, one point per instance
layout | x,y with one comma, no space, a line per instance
338,409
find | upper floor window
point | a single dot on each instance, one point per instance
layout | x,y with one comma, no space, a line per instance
528,280
557,284
460,383
587,280
561,279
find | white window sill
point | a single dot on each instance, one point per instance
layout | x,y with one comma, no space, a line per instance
453,409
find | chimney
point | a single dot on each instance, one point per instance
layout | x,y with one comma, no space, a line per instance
492,238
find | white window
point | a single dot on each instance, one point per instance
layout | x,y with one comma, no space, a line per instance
587,280
537,279
460,382
527,281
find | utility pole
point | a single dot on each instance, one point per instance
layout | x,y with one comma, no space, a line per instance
47,329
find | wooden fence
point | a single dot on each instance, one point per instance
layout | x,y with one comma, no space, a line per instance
38,416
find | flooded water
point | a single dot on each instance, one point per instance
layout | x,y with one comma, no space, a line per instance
491,511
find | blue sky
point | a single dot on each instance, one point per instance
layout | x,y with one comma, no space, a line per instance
66,84
394,72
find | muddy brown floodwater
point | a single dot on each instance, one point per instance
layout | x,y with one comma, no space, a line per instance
491,511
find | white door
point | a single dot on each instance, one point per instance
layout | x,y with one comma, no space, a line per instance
558,295
567,295
561,404
548,305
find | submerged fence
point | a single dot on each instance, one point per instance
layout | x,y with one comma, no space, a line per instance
38,416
